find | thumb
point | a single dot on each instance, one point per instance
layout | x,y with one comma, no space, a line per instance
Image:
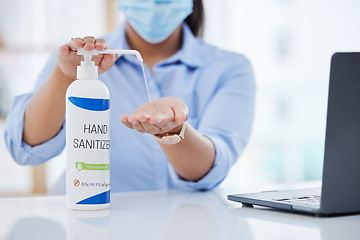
181,112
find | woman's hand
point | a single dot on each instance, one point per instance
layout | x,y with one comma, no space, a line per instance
68,59
164,115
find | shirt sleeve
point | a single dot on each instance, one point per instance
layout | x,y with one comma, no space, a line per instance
227,122
21,152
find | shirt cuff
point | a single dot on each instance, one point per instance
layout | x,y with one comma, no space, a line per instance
47,150
23,153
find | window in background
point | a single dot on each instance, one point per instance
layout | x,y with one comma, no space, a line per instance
290,44
30,31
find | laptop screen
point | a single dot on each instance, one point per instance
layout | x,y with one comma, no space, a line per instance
341,172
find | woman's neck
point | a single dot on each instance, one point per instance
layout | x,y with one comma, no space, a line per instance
153,53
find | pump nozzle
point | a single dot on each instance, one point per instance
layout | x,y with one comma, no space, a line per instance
88,70
88,54
121,52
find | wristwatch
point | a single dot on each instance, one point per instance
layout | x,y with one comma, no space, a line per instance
169,138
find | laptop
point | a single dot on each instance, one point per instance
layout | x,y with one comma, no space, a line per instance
340,190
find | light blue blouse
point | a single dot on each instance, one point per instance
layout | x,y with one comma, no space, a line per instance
217,86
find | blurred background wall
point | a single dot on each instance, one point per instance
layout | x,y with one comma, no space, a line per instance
289,43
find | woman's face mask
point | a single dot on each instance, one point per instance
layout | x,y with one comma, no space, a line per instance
155,20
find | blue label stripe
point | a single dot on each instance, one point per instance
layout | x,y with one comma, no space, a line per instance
101,198
92,104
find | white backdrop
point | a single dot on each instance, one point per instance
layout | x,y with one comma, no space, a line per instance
289,43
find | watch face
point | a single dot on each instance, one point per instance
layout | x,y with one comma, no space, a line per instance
171,139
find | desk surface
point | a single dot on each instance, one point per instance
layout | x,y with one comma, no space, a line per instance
165,215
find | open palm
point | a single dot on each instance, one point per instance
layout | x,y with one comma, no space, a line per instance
157,117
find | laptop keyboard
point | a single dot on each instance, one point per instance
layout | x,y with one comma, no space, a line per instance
312,200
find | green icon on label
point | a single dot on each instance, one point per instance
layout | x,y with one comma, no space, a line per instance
85,166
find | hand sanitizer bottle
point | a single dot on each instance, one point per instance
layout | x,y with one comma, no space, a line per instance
88,136
87,139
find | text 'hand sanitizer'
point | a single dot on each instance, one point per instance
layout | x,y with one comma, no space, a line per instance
88,136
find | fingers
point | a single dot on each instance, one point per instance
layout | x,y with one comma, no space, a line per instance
141,117
140,123
68,59
105,61
170,115
160,123
100,44
64,51
75,44
133,123
148,127
71,47
89,43
125,120
144,126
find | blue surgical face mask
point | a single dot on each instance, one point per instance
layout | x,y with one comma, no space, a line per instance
155,20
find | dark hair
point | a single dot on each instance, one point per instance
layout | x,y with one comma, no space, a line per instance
196,19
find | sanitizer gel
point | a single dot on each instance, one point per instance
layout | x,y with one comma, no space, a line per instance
88,136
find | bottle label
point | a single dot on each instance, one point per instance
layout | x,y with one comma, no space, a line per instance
93,104
87,150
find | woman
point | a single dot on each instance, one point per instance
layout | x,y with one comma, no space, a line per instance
204,97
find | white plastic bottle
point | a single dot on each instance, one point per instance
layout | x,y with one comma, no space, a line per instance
87,139
88,136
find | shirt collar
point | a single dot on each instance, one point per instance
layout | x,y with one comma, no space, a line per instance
188,54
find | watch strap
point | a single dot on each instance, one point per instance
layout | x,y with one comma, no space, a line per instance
169,138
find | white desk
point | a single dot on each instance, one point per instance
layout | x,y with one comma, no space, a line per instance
165,215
